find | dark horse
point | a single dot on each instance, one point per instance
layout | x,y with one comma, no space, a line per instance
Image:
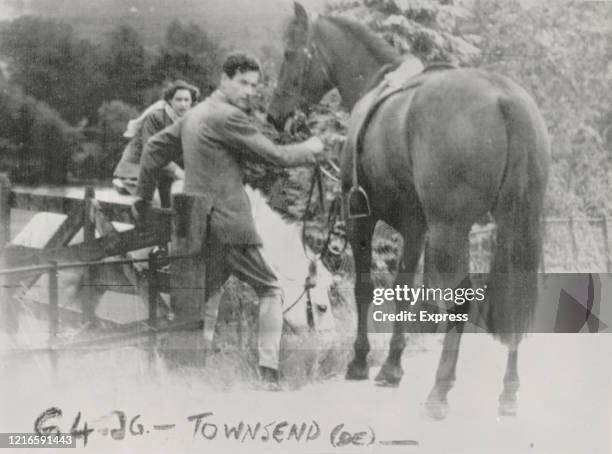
434,161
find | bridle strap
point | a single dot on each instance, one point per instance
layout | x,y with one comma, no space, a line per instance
311,53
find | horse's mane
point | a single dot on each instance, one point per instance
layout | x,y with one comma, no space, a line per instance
378,47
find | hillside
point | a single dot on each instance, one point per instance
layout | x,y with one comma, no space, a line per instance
236,23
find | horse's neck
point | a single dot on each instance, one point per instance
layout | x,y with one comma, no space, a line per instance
352,69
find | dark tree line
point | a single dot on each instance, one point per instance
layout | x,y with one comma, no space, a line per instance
73,81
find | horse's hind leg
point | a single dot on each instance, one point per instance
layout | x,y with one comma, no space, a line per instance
360,234
391,371
508,399
446,267
512,290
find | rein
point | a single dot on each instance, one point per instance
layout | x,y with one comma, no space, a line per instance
333,214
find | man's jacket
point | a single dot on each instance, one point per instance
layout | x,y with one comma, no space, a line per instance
214,138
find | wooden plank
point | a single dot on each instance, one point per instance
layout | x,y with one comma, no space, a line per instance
67,231
19,256
62,237
63,202
103,225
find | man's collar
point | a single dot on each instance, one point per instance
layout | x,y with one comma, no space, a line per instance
219,96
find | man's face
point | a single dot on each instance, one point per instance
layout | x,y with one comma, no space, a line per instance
181,101
240,89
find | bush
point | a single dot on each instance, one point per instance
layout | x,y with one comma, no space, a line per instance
36,143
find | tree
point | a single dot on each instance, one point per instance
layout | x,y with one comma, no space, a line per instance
124,66
188,53
51,64
36,143
561,53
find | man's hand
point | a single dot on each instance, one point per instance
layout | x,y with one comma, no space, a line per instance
316,146
140,209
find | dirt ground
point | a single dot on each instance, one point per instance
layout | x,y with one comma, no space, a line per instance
565,403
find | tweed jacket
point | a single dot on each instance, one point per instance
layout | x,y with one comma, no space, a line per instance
215,138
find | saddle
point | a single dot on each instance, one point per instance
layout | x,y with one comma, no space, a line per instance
403,77
406,77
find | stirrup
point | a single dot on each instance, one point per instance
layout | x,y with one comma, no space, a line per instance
361,198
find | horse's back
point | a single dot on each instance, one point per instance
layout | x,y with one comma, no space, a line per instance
445,140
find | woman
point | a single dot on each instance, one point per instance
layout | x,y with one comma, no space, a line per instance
177,98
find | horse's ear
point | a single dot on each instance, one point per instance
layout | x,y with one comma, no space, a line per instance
300,14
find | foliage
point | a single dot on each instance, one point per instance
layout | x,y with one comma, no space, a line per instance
35,144
123,63
188,53
561,53
112,118
428,29
51,64
90,84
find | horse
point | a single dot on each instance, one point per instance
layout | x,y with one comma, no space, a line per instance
434,160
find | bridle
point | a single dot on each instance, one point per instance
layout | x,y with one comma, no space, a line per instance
311,53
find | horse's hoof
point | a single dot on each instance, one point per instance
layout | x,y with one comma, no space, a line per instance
389,375
357,371
437,409
507,407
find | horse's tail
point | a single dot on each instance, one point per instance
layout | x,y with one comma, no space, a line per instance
513,284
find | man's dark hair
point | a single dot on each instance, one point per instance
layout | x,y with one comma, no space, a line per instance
240,62
172,88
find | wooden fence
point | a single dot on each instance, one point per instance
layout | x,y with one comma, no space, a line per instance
103,250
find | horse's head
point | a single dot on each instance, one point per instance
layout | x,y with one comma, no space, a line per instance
304,76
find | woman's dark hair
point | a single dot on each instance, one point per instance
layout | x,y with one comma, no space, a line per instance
240,62
171,89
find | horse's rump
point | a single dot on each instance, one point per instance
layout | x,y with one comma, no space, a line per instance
446,136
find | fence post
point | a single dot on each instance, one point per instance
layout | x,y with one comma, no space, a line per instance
5,211
8,305
53,301
574,243
188,273
53,314
89,235
607,245
153,299
543,226
153,289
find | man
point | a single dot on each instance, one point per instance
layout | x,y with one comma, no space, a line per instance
177,98
215,137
